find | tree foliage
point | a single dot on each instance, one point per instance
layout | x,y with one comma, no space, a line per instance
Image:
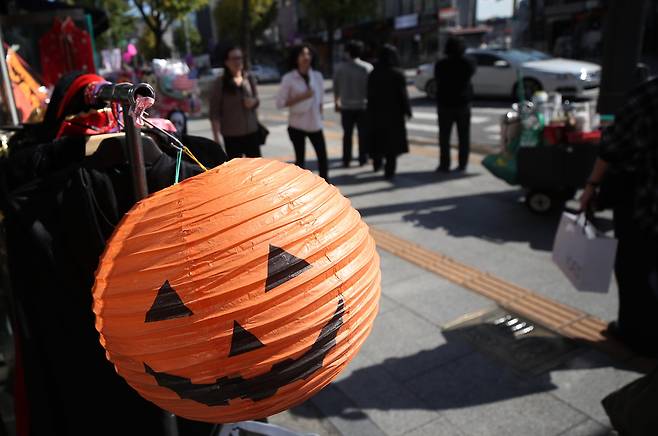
335,13
159,15
196,45
228,16
330,15
121,22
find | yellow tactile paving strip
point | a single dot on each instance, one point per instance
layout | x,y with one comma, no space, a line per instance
562,319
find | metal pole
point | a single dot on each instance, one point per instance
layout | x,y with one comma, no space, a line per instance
129,96
135,154
6,84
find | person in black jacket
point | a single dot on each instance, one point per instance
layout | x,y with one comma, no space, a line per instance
388,105
454,92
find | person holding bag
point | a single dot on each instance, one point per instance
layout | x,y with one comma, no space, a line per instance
233,109
628,165
302,92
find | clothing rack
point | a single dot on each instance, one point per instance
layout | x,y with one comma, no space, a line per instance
129,97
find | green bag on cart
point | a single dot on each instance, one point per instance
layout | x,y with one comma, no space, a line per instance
503,166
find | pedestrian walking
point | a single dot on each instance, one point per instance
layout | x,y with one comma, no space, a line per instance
454,92
302,92
233,108
628,168
388,106
350,95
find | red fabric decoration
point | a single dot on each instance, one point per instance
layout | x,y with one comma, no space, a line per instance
63,49
92,123
81,82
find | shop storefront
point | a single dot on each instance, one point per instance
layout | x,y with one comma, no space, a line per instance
575,30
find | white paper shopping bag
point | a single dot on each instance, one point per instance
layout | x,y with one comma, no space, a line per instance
584,255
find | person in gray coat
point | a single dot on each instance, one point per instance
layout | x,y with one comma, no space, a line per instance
350,95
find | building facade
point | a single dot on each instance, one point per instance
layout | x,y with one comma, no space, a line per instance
413,26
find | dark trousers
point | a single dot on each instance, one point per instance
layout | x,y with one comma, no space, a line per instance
390,163
349,118
239,146
298,138
447,117
636,269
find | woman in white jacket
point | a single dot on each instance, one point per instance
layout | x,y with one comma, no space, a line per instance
302,91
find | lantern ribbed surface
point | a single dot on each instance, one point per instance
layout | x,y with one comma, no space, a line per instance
237,293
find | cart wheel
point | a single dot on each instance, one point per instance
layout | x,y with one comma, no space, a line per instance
539,202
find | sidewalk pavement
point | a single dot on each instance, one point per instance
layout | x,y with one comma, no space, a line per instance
413,376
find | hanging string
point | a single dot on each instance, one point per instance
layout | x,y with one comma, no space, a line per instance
189,153
175,142
179,161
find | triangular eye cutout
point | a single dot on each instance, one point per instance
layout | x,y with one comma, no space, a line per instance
167,305
282,266
243,341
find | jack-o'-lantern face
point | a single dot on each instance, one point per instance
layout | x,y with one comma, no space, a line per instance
282,267
257,283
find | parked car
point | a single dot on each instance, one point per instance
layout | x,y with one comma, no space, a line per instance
497,74
265,73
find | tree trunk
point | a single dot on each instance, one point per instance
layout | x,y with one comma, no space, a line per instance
330,50
622,49
245,33
159,44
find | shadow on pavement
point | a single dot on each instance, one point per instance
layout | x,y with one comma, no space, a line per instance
468,380
497,217
401,179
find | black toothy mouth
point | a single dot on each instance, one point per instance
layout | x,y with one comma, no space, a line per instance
261,386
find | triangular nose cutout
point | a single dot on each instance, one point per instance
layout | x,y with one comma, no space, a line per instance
243,341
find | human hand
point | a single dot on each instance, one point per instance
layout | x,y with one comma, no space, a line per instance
587,198
308,94
250,102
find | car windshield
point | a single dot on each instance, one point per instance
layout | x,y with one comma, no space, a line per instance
521,56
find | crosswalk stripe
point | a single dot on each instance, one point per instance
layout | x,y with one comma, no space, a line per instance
425,115
432,116
423,127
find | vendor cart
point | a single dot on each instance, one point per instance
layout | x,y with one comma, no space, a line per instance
547,153
551,175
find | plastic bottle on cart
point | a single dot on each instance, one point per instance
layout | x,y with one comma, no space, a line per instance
542,105
533,126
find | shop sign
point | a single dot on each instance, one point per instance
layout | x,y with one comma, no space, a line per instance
448,13
406,21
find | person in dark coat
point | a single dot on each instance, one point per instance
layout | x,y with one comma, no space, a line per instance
454,92
627,167
388,105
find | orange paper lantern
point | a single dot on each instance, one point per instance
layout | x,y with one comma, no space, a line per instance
238,293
